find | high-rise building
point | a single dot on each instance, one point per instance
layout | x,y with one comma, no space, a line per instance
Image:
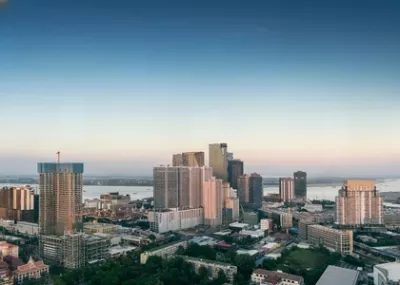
286,189
300,184
218,160
179,186
243,188
358,202
256,189
230,156
60,186
213,200
235,170
17,203
177,159
193,159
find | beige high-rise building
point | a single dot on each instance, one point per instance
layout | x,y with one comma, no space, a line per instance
179,186
358,202
286,189
213,201
193,159
60,186
177,159
218,160
244,189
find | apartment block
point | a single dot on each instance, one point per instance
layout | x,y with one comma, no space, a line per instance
213,200
338,240
162,251
243,188
266,277
17,203
166,220
213,267
178,186
286,189
358,203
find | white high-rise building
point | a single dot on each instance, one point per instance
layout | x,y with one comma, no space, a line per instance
213,201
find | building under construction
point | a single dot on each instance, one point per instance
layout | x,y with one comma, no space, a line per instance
60,213
73,250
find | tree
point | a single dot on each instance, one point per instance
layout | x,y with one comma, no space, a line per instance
245,264
221,279
203,273
152,237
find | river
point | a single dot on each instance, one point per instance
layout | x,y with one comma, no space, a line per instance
327,192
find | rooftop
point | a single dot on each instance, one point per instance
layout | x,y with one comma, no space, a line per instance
189,258
166,245
31,265
334,275
269,275
392,268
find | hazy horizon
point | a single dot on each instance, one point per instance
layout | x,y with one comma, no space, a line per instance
121,86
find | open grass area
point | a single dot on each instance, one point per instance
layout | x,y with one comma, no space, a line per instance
305,259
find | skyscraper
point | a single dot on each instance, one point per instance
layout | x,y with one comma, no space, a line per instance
256,189
17,203
177,160
358,202
178,186
235,170
243,188
218,160
193,159
213,200
60,186
300,184
286,189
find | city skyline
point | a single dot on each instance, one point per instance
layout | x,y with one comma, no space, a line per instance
310,86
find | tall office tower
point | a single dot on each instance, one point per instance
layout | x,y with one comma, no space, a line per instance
193,159
358,202
60,199
213,201
243,188
286,189
300,184
235,170
17,203
256,189
218,160
179,186
177,159
230,156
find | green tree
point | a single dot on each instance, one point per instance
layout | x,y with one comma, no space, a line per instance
245,265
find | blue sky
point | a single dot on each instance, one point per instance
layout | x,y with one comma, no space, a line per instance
121,85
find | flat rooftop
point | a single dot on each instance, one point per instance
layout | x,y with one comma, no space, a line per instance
334,275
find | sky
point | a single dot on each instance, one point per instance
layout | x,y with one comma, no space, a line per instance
122,85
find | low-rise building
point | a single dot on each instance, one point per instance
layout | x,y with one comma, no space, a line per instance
118,251
313,208
175,220
338,240
254,233
213,267
6,277
334,275
386,273
162,251
31,270
95,227
266,277
283,219
267,225
30,229
8,249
